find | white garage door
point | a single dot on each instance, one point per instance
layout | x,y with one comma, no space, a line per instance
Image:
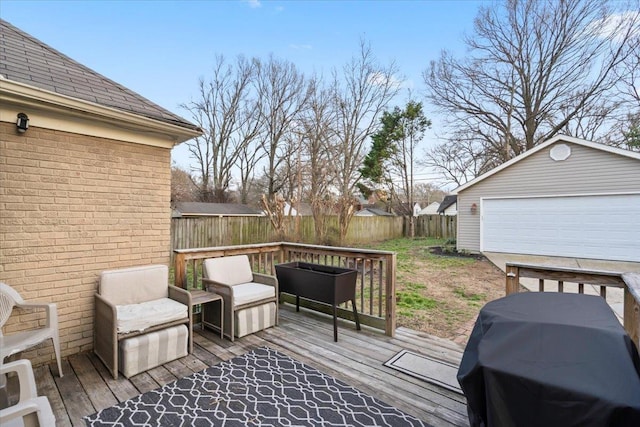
598,227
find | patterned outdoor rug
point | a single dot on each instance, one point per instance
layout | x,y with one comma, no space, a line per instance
260,388
427,369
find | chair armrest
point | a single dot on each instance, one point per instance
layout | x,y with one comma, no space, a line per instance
265,279
181,295
217,285
105,312
105,336
50,309
26,379
220,288
37,406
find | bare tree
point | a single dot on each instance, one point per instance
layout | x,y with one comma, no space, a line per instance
225,113
428,193
629,91
283,94
459,159
183,187
533,69
318,137
250,156
628,73
361,92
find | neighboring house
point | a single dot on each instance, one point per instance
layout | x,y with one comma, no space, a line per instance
449,206
85,188
191,209
431,209
373,212
406,209
566,197
302,209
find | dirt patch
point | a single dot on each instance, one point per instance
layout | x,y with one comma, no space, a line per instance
441,293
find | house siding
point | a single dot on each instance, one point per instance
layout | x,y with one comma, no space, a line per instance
72,206
586,171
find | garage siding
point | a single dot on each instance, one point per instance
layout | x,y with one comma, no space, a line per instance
586,171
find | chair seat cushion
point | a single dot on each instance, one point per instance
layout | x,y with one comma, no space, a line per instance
138,317
246,293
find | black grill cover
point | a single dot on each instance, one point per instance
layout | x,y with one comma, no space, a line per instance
550,359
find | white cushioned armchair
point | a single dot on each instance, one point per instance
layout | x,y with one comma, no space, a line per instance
141,321
250,299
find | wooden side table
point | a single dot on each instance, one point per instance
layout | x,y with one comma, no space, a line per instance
205,298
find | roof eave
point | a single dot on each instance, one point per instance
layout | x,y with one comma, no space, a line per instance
11,91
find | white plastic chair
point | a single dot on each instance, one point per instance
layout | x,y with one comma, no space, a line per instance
20,341
30,410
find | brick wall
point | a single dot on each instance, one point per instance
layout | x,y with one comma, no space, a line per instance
72,206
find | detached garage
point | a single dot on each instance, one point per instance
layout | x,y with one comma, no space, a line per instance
567,197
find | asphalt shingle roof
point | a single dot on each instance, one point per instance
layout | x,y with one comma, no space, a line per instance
24,59
448,201
378,212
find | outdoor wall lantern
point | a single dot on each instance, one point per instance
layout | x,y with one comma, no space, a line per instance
23,122
474,209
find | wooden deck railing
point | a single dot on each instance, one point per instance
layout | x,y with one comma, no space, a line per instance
375,291
578,278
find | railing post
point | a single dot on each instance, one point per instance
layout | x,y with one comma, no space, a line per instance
632,306
390,293
180,271
513,280
282,253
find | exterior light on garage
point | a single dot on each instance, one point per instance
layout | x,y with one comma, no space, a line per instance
474,209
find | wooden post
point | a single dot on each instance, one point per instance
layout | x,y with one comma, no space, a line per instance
180,271
390,291
513,280
632,306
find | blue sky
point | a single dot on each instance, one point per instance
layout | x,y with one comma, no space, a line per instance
160,49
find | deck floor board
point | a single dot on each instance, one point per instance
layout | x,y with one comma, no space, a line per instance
356,359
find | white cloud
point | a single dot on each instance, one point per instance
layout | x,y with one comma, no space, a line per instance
301,46
616,24
381,79
253,4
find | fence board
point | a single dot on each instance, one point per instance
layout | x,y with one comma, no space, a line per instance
437,226
205,232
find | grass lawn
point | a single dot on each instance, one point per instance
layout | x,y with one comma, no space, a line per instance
440,294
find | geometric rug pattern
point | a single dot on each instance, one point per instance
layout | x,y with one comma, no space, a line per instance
260,388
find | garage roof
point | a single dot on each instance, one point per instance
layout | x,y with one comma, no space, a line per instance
564,138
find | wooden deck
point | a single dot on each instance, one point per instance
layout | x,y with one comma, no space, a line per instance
306,336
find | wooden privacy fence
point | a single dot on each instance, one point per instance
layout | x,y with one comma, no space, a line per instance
205,232
375,291
437,226
575,279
